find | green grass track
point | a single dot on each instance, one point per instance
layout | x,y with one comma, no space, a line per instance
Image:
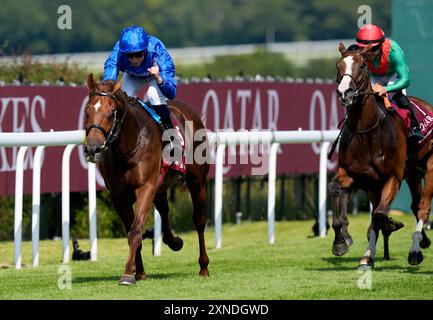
246,267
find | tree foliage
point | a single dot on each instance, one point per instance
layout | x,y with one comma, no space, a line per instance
96,24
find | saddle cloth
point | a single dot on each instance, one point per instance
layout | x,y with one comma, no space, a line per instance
424,117
176,165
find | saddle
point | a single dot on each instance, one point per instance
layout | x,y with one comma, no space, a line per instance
165,166
423,115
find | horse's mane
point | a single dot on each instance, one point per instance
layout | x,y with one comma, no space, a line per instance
353,47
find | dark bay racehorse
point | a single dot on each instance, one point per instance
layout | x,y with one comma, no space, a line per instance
373,157
127,144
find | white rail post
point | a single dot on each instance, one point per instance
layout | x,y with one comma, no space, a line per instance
272,174
18,217
323,170
91,175
36,203
157,240
219,194
65,202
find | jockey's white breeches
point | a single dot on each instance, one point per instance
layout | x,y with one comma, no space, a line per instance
132,84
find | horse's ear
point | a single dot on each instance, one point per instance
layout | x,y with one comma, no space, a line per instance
91,84
365,49
342,48
118,85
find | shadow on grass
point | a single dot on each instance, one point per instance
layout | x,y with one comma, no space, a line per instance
156,276
163,276
94,279
352,263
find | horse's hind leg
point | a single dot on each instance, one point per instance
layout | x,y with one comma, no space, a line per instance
197,189
380,219
422,213
161,204
385,247
415,187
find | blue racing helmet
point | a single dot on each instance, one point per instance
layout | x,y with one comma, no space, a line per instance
133,39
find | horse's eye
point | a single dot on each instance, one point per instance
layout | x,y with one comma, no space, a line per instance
111,116
363,66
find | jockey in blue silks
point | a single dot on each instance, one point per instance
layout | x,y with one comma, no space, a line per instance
144,59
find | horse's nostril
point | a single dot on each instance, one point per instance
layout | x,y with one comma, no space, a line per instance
92,150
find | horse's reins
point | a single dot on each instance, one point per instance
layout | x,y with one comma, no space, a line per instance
359,91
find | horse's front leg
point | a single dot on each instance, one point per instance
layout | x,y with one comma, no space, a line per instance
380,220
144,196
339,190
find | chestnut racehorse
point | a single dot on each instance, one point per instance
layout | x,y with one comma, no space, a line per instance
127,144
373,156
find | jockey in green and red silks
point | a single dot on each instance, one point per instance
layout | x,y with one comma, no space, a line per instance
145,60
389,72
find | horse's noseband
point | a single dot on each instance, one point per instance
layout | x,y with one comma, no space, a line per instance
361,87
109,136
359,90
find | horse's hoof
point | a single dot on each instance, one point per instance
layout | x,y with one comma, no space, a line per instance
366,263
348,240
391,226
425,242
339,248
204,273
127,280
415,258
176,244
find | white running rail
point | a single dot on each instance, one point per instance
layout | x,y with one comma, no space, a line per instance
274,139
41,140
221,139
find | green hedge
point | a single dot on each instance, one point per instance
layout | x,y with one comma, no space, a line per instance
28,70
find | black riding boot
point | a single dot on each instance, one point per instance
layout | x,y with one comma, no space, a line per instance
404,103
175,144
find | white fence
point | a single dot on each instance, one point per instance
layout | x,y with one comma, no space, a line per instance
41,140
275,138
221,139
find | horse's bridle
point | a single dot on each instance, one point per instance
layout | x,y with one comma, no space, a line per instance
360,91
361,88
116,123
